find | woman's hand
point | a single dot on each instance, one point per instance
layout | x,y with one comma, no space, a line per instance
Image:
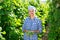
35,31
25,30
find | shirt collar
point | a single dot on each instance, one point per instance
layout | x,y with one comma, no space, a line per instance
32,19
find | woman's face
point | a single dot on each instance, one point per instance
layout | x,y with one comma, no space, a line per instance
31,12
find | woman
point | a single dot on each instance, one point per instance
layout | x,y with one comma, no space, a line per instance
32,25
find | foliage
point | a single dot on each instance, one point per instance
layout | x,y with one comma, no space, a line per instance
54,20
1,37
13,13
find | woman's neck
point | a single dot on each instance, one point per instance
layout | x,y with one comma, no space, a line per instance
32,17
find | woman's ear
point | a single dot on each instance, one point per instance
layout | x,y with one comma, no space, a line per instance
35,10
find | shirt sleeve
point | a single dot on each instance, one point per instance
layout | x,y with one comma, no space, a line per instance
24,26
40,26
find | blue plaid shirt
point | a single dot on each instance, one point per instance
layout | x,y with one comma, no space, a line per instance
32,24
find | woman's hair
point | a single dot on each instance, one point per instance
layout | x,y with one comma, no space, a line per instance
31,7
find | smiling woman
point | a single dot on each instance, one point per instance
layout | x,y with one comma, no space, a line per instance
32,25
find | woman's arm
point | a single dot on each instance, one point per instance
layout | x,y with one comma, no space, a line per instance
24,26
25,31
35,31
40,26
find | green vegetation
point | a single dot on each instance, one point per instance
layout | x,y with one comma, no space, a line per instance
13,13
54,20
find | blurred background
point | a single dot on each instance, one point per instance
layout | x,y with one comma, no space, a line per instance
14,12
